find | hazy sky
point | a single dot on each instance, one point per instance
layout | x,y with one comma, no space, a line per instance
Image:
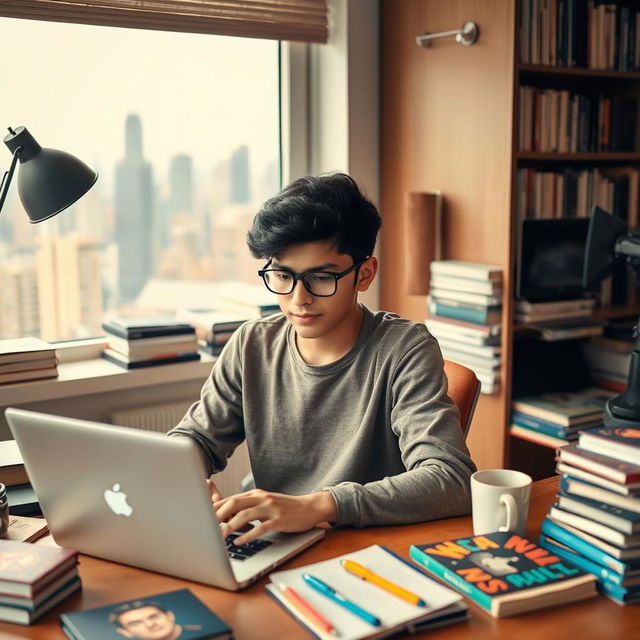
73,85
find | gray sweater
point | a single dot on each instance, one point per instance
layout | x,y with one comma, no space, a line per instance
376,427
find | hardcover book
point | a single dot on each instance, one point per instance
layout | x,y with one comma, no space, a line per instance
562,468
440,604
505,573
622,443
174,614
127,363
571,486
136,328
619,519
602,465
27,568
565,408
25,349
466,269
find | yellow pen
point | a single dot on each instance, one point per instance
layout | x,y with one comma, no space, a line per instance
356,569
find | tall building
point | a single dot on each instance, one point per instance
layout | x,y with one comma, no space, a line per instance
181,184
239,170
70,287
134,214
19,314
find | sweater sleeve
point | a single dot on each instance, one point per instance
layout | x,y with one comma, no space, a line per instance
216,421
427,425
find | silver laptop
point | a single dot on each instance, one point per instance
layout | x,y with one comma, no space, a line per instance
139,498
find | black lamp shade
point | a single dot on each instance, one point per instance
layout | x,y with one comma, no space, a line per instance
49,180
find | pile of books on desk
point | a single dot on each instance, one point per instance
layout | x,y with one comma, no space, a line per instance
213,327
595,522
145,342
556,418
34,578
23,359
559,319
465,310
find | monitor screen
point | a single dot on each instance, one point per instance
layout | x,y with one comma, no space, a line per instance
551,259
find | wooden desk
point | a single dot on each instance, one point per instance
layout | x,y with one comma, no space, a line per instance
253,615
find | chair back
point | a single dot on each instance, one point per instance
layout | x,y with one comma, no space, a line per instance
464,389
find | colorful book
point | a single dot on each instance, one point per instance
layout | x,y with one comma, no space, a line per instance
563,468
619,519
463,332
505,573
602,465
600,572
180,612
452,283
620,595
602,531
535,436
622,443
26,569
440,604
137,328
571,486
467,313
565,408
562,534
442,295
544,426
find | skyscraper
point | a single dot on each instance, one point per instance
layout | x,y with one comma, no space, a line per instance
19,297
134,214
181,184
239,170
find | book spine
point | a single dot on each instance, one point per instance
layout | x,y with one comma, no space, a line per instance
523,420
581,546
468,589
468,314
602,573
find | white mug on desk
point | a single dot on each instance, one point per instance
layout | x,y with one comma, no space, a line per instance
500,500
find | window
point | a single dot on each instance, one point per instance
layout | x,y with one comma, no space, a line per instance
184,132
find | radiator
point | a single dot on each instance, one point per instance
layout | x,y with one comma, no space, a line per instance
162,417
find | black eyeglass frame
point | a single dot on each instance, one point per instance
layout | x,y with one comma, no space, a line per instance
301,276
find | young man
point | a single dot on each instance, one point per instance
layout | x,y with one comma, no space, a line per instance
345,411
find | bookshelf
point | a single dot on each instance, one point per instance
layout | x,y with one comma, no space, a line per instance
463,138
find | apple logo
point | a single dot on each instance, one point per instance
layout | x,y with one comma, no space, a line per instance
117,501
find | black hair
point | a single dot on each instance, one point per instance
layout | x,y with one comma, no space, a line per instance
114,616
328,207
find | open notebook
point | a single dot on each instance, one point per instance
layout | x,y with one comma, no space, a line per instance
443,605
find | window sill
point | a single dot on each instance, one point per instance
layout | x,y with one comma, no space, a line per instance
99,376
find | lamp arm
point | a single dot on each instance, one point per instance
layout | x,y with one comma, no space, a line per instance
6,179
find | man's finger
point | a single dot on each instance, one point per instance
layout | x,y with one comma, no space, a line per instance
253,534
215,493
235,504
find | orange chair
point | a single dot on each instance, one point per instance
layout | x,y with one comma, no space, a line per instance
464,389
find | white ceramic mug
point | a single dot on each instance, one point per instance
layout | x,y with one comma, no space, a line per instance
500,500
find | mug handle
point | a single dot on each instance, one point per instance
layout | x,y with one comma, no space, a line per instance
512,512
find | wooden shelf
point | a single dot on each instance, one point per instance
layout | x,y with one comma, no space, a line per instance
577,72
599,157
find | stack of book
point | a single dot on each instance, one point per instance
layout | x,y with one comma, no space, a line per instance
34,578
465,310
24,359
144,342
553,419
595,522
213,327
608,360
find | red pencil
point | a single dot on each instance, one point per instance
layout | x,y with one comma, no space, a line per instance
305,609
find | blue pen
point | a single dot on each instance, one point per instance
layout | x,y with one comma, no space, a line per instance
332,594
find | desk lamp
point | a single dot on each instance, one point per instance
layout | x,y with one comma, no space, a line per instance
607,242
49,180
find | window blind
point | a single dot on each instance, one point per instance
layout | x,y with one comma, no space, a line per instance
300,20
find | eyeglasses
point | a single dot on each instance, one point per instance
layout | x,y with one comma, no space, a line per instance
323,284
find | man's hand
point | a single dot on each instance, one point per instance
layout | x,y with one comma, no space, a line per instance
275,511
216,496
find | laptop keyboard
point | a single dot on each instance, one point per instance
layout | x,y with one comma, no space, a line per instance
245,551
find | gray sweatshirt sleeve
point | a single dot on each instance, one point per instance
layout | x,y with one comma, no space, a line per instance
216,422
427,424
